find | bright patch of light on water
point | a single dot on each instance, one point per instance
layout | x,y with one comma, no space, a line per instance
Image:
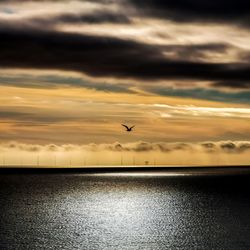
151,174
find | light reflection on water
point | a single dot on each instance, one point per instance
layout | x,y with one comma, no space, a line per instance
151,174
123,217
122,212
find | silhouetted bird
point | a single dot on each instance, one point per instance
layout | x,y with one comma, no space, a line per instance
128,129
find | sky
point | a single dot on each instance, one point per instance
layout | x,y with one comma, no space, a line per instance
71,72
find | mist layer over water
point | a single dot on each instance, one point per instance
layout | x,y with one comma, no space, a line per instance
77,211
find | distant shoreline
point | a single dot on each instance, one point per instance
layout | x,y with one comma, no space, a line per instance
159,170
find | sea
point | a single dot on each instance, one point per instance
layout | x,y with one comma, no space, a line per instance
116,209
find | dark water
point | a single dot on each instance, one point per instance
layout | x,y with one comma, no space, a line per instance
87,211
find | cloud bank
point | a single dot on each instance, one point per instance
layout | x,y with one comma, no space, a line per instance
140,146
138,153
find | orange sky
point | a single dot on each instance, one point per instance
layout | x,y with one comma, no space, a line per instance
76,75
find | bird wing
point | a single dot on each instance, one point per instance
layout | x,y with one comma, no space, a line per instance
125,126
132,127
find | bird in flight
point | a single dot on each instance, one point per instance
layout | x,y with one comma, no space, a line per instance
129,129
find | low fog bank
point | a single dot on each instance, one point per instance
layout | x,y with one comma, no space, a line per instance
136,153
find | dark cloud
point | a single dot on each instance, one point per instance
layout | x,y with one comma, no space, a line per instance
105,57
93,18
98,56
233,84
97,17
234,11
